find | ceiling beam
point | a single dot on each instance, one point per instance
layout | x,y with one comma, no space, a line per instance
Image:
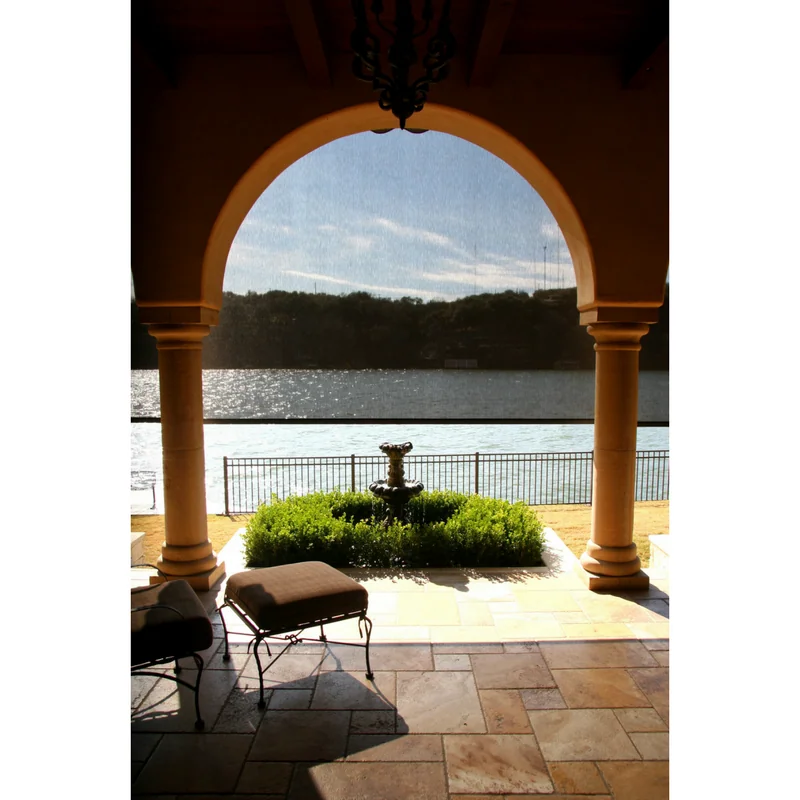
642,67
306,33
491,34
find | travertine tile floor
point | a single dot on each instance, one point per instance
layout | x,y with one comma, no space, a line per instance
500,684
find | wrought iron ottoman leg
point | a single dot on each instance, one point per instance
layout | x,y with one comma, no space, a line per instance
226,656
199,724
322,636
368,626
261,703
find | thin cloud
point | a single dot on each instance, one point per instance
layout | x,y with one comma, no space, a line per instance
355,286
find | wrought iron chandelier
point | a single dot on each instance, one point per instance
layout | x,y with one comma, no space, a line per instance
397,93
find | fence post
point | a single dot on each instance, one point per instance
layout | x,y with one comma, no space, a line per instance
476,472
353,471
225,480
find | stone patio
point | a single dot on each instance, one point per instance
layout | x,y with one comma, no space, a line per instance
489,684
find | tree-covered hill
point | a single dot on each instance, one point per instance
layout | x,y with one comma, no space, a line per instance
510,330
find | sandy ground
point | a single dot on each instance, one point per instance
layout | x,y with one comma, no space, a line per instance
571,523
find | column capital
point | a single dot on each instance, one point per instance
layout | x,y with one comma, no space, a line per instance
618,335
179,337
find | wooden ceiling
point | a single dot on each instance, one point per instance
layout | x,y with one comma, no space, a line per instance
635,31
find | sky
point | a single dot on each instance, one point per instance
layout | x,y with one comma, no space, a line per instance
399,214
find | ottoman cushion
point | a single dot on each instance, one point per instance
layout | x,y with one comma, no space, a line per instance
291,596
161,633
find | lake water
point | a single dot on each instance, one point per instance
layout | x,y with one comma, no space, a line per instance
391,394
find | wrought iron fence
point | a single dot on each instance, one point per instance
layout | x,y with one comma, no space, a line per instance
141,480
533,478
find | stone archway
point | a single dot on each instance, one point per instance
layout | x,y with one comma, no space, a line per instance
610,559
361,118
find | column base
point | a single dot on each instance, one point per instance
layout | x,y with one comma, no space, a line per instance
639,580
200,582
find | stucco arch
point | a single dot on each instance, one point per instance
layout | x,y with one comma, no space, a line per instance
365,117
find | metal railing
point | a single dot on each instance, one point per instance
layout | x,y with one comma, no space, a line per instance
142,479
533,478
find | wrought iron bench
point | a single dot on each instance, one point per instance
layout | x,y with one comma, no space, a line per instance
279,602
168,622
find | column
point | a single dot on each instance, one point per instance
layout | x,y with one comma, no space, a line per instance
187,552
610,560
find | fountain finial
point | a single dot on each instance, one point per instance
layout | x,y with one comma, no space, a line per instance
395,490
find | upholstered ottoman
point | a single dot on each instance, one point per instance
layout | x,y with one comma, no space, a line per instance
168,622
278,602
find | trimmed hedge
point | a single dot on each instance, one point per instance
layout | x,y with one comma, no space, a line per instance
350,529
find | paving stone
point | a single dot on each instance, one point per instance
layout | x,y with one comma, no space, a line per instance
495,764
656,644
203,762
369,781
396,633
652,746
427,609
608,608
383,657
655,684
143,744
581,735
547,601
598,630
170,706
598,688
290,698
640,720
288,672
584,655
382,721
649,630
659,609
301,736
467,637
476,613
549,797
521,647
577,777
453,662
645,780
464,646
570,618
265,777
140,686
511,671
662,656
241,713
420,747
503,711
527,626
542,698
439,702
354,691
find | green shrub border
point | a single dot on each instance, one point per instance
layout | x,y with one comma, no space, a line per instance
351,529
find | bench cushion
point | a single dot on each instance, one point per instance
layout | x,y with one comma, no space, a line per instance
292,596
160,633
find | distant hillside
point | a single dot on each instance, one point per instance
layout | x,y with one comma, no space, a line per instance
511,330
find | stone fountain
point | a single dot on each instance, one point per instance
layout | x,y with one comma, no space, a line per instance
395,491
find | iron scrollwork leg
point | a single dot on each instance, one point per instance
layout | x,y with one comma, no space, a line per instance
368,626
199,724
226,656
261,703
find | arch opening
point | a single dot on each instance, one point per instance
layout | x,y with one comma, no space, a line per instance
363,118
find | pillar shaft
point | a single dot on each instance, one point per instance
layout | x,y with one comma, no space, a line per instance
610,553
186,552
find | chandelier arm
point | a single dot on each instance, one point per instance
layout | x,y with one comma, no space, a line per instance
382,26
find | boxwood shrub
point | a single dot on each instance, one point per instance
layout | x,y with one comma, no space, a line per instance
351,529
